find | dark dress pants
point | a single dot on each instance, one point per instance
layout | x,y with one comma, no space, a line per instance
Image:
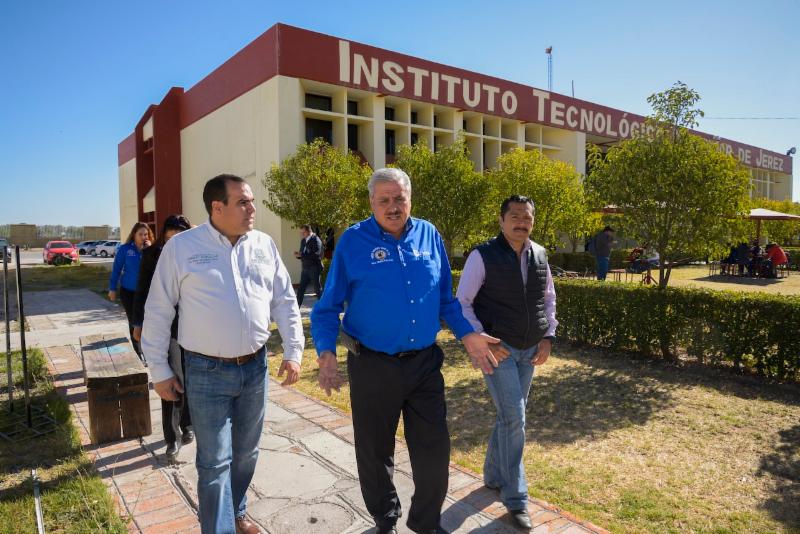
127,296
381,388
310,275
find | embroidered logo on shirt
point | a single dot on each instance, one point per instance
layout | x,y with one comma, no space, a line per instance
202,259
380,254
258,256
418,253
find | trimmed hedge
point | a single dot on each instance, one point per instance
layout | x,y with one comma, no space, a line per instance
583,261
752,331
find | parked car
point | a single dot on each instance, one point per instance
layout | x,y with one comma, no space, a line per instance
106,248
59,253
84,246
5,248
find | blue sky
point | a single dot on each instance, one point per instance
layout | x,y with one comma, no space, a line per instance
78,75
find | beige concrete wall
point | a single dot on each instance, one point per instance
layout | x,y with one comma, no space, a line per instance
245,137
128,210
94,233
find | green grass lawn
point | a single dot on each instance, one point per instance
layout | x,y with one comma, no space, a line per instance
76,276
635,445
697,276
74,499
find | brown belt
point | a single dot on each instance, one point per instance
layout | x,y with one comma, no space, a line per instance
238,360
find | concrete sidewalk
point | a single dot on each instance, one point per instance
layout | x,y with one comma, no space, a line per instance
306,479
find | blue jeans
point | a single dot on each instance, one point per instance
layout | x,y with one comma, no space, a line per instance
509,386
227,405
602,267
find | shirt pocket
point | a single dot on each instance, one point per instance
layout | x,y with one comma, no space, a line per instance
260,276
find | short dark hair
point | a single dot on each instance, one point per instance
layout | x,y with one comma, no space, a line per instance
608,229
217,189
307,228
516,199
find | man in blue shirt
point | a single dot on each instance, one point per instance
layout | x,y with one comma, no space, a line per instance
392,272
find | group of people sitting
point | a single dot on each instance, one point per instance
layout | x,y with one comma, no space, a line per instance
753,261
642,258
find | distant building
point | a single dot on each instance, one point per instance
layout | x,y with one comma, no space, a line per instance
292,85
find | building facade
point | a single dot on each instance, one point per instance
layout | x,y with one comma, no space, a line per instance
291,85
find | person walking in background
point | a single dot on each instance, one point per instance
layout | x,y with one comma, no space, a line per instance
600,248
125,273
507,291
310,256
175,416
229,283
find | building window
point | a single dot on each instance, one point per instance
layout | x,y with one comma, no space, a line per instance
319,102
435,120
388,114
414,117
436,144
464,125
352,107
352,137
414,138
390,145
316,128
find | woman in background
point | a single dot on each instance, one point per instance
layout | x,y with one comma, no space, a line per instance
125,273
175,415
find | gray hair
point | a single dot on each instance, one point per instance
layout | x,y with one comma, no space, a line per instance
388,174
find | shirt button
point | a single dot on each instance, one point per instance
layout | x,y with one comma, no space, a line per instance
413,321
409,282
412,301
412,339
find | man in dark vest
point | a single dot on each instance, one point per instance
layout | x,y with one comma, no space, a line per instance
310,256
506,290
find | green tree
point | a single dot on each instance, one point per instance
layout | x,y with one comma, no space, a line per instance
446,190
781,232
318,185
556,190
677,191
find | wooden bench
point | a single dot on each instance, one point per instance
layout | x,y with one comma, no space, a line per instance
616,274
117,388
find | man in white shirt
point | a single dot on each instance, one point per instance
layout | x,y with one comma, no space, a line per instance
228,283
507,291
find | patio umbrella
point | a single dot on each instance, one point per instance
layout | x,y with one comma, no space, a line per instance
761,214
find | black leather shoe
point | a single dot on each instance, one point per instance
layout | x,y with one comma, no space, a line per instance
521,519
187,437
172,451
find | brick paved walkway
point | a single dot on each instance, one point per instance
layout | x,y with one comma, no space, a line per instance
305,481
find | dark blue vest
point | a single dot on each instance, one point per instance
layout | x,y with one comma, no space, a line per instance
508,308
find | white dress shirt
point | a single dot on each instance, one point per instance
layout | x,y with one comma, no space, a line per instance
474,274
226,295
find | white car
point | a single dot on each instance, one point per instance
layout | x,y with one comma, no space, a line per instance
105,249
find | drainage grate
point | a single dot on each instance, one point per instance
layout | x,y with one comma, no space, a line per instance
16,429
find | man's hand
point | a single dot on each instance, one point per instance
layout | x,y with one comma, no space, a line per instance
168,389
137,333
329,377
543,352
292,370
296,254
112,296
480,349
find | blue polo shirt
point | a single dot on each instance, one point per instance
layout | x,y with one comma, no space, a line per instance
126,267
394,292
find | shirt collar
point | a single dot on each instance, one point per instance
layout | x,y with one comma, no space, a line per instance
217,235
381,232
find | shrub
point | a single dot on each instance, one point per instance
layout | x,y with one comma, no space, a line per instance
750,331
583,261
